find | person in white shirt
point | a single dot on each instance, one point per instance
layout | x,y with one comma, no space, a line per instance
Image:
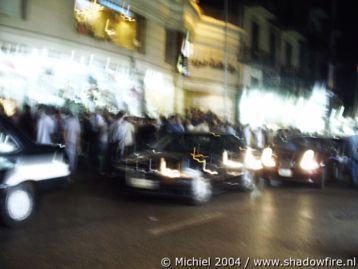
248,135
45,127
103,142
97,124
72,138
125,137
260,138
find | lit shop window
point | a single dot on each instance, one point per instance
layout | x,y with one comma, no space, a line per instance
111,20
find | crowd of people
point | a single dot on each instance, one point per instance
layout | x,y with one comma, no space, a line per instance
100,137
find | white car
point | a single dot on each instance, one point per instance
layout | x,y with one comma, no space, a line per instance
26,169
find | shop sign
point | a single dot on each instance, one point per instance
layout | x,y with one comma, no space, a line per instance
212,63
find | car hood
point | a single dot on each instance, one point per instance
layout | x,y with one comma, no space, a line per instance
150,154
46,149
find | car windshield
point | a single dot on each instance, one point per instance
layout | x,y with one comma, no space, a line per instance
297,142
204,143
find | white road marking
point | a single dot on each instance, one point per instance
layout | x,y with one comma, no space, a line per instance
201,219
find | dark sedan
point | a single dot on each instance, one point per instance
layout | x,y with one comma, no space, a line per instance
303,159
25,169
192,165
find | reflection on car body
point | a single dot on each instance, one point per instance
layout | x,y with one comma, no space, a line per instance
193,165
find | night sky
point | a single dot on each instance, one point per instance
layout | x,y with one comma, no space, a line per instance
341,16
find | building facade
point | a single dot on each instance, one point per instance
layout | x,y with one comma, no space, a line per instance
119,55
273,56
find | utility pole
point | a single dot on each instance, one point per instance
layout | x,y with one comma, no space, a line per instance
331,67
226,61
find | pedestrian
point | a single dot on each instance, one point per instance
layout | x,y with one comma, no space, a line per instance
126,137
260,138
351,152
45,127
97,124
146,133
229,129
103,141
175,125
248,136
58,118
27,122
163,126
113,143
72,138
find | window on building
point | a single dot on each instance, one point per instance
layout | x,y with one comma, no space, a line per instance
288,54
13,8
111,21
272,47
255,37
173,44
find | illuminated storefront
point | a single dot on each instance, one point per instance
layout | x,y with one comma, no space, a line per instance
260,107
43,76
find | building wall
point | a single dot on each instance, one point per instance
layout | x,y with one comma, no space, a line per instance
50,25
205,87
260,16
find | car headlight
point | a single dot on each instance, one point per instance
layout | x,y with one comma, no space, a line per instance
267,158
172,173
230,163
251,162
308,161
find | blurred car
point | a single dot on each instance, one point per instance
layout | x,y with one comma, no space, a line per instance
306,159
26,169
191,165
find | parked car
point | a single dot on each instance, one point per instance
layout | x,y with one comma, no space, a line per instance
192,165
306,159
26,169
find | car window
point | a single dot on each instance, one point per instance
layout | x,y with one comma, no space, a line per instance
232,143
203,143
187,143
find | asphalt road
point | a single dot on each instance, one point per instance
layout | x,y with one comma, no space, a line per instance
92,225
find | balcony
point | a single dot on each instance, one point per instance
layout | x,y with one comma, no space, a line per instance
274,74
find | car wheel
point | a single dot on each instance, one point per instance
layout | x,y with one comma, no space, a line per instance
201,190
19,204
274,183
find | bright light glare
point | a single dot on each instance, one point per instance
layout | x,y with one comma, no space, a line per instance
251,162
229,163
172,173
308,161
6,147
267,159
258,107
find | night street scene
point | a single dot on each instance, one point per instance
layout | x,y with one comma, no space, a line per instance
178,134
